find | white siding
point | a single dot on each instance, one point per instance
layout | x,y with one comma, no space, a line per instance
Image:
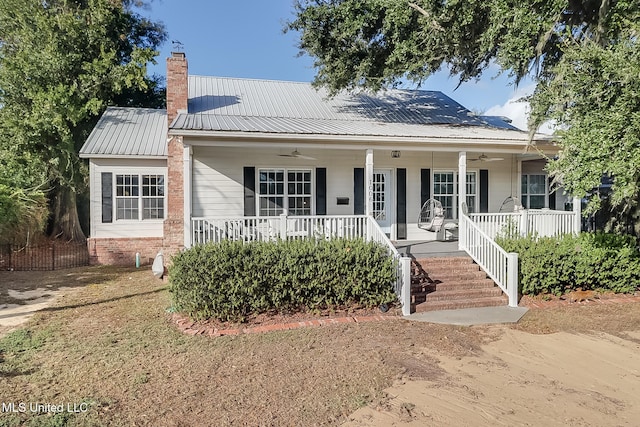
122,228
218,188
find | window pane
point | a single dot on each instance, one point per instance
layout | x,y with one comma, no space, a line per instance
536,202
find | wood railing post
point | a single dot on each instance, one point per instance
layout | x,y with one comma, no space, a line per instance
512,279
577,218
405,294
283,226
524,222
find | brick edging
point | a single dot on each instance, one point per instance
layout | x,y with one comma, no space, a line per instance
618,299
190,327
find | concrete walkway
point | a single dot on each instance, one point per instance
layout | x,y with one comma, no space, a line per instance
471,316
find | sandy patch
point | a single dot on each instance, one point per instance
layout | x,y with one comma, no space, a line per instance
13,315
558,379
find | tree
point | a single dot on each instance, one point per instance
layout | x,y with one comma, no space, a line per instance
62,62
569,47
595,95
23,205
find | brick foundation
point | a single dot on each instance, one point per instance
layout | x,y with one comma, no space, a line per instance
122,251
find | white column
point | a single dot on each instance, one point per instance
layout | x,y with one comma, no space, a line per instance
186,164
462,190
518,191
577,215
462,180
368,183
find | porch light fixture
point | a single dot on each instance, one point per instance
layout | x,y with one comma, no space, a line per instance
395,154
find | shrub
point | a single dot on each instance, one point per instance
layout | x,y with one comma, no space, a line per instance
230,280
589,261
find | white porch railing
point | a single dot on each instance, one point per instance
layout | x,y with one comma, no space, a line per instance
248,229
542,222
501,266
253,228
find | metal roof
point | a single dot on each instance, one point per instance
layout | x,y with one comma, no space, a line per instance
248,105
123,131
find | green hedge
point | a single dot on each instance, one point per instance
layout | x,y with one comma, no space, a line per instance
596,261
230,280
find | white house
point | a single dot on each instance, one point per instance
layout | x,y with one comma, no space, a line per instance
244,148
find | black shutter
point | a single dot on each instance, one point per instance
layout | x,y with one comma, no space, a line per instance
358,191
249,191
552,195
401,203
484,190
321,191
107,196
425,185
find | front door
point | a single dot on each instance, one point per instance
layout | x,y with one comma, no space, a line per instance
382,199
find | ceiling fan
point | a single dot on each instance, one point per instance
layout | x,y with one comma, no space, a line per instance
298,155
484,158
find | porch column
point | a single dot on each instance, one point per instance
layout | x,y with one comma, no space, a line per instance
368,183
462,192
187,155
577,215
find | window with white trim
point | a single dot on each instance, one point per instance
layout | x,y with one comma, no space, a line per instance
534,191
281,190
131,203
445,190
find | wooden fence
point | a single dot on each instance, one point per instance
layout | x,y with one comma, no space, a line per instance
47,256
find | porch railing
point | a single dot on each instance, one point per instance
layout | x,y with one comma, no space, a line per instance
501,266
253,228
542,222
249,229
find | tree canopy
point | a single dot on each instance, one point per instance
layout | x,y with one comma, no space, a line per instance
582,54
62,62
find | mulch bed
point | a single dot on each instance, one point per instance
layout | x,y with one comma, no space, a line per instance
552,301
268,322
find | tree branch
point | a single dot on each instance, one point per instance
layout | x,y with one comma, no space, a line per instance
426,14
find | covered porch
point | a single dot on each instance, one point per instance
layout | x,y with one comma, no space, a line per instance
225,180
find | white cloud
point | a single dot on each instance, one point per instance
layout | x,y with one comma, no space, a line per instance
518,110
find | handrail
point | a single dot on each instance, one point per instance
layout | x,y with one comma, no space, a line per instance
500,266
402,285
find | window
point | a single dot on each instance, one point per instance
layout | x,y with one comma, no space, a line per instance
152,196
131,203
445,190
472,191
534,191
299,183
127,194
280,189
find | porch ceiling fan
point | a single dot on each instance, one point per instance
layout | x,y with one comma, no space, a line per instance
298,155
484,158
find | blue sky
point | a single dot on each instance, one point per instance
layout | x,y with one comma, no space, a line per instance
244,38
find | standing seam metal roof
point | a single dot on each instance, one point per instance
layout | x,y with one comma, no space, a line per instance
123,131
249,105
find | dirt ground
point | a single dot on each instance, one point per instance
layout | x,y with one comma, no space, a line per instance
107,340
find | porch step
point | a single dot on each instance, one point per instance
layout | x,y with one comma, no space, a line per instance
452,283
451,286
456,305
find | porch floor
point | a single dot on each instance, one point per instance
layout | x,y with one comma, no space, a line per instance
428,249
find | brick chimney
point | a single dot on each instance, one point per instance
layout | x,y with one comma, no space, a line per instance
177,99
177,85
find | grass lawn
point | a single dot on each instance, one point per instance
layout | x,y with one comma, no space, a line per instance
108,344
